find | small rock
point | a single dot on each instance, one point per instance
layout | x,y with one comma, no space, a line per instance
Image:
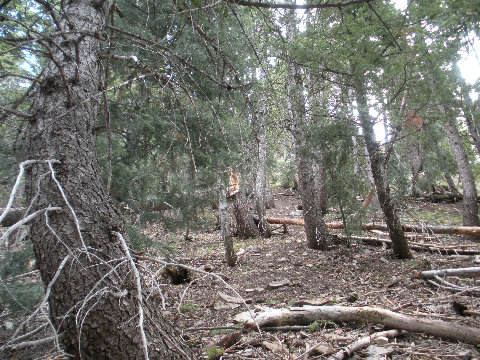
278,284
385,261
230,299
241,252
281,260
249,290
320,350
382,340
377,353
272,346
476,259
245,353
219,305
260,289
9,325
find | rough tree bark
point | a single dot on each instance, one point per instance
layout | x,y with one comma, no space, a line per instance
469,203
316,231
225,226
260,130
94,300
246,227
399,241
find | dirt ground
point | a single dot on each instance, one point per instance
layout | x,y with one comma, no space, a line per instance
281,271
358,275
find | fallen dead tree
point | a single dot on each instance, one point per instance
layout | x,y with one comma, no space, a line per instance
450,230
471,249
365,315
431,274
437,279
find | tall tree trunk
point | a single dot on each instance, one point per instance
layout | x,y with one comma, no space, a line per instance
246,227
261,178
472,128
446,172
416,156
469,203
316,231
399,241
269,199
94,299
225,227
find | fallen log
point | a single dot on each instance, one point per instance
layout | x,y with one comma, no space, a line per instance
445,250
365,315
431,274
450,230
363,342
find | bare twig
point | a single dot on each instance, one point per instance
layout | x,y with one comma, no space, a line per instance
346,352
33,343
17,183
16,113
139,293
77,223
26,220
42,303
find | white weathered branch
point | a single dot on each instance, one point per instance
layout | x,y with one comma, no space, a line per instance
77,223
26,220
30,344
365,315
19,179
430,274
42,303
139,294
361,343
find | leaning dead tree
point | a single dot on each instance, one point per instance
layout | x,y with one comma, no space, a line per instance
96,295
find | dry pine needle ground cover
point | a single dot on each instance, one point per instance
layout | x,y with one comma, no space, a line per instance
359,275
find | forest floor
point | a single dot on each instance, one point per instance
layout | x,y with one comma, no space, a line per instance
358,275
280,271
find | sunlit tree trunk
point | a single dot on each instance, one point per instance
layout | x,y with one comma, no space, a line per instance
225,227
315,228
94,300
399,241
469,203
246,227
260,130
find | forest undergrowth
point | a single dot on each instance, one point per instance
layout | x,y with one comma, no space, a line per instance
281,271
